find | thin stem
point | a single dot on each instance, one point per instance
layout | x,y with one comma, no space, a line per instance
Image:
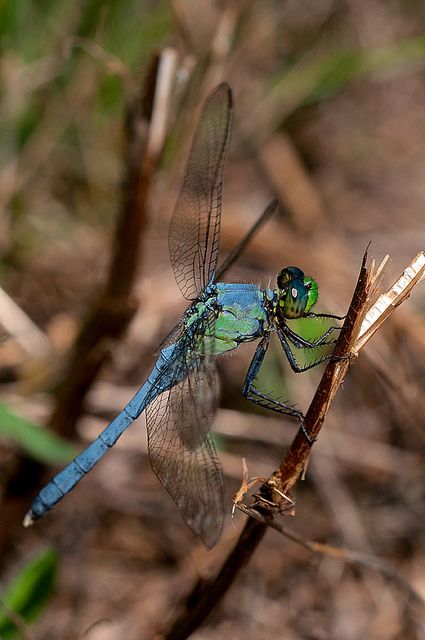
207,593
293,464
112,312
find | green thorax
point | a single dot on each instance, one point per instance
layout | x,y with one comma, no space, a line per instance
234,314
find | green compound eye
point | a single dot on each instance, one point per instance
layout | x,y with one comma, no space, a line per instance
312,289
296,294
286,275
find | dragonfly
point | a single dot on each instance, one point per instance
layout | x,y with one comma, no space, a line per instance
180,395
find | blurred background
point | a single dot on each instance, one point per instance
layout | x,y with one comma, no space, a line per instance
329,118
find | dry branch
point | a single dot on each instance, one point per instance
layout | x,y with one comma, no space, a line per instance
26,333
112,312
354,558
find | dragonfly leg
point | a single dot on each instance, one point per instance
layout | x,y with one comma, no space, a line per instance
303,343
250,392
325,315
331,328
300,343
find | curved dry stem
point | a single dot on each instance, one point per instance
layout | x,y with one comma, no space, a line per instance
113,310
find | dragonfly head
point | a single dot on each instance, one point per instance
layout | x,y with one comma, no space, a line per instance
296,294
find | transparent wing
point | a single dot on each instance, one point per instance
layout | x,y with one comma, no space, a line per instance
195,226
181,448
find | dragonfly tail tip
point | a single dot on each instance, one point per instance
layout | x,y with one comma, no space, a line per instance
28,520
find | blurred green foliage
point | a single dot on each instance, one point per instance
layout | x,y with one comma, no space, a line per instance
28,593
128,30
53,32
38,443
314,78
61,97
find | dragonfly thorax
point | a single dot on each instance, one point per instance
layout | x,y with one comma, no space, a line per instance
295,295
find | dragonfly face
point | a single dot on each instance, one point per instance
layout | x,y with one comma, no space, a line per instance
296,294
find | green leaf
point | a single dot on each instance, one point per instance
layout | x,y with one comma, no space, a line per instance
314,78
37,442
28,593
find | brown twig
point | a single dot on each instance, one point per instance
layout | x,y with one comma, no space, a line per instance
112,312
18,324
207,593
354,558
296,457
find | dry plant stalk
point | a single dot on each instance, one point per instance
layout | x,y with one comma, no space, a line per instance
364,317
19,325
112,312
355,558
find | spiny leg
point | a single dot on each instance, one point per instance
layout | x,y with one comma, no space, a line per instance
324,315
250,392
303,343
300,344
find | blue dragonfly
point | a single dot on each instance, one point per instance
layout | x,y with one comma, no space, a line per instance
181,392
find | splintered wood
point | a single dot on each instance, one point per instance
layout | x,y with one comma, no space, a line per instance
388,301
